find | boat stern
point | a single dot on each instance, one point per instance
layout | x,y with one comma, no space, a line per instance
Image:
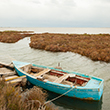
96,86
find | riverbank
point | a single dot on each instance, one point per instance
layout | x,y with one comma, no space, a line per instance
13,36
68,61
93,46
13,97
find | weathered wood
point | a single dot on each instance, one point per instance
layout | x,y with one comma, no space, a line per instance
81,78
16,80
8,74
59,80
42,72
11,77
50,77
57,72
65,76
8,66
36,69
1,63
67,83
27,68
4,70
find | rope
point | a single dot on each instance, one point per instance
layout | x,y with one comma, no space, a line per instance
42,107
58,96
11,58
8,56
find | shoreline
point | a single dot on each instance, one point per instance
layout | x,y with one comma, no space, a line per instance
63,30
17,93
94,46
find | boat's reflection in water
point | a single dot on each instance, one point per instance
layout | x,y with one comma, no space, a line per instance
67,103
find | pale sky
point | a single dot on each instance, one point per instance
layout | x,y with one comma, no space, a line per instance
54,13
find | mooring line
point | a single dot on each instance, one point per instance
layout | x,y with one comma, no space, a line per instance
8,56
42,107
59,96
11,57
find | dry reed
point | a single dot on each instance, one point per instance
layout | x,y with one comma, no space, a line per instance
13,36
94,46
11,98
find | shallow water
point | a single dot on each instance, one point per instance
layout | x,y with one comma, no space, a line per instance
69,61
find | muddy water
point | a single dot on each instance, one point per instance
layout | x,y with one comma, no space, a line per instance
69,61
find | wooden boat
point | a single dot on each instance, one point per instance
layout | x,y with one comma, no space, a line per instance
70,84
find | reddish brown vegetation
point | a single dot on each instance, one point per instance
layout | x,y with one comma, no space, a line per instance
94,46
12,98
13,36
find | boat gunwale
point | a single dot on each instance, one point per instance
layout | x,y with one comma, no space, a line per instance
59,84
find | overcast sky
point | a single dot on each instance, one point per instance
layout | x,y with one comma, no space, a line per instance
54,13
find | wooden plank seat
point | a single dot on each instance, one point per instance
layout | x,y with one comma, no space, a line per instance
57,72
50,78
65,76
42,72
39,68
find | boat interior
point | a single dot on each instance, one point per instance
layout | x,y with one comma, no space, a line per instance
45,74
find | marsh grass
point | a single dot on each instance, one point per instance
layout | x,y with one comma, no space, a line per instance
13,36
94,46
11,98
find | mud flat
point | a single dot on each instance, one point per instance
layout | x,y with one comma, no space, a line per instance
93,46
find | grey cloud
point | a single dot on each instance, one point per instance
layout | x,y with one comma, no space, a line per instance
55,13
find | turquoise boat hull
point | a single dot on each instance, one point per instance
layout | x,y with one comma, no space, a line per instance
93,90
